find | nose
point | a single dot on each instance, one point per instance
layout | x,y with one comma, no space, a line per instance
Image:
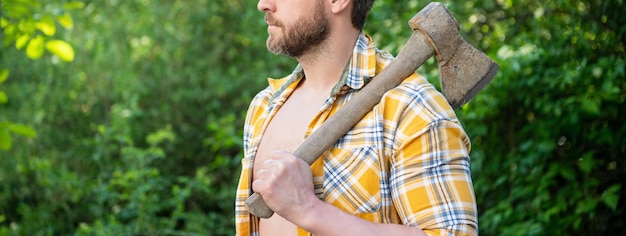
266,5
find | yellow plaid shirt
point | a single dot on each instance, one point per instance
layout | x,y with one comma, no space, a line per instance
406,162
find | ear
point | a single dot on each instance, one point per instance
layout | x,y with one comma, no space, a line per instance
338,6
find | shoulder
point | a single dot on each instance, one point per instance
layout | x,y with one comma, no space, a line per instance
416,97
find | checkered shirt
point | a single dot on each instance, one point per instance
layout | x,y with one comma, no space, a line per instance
406,162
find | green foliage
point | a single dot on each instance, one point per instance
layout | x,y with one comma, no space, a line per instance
31,26
548,138
141,133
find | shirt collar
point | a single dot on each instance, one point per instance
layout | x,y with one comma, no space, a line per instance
362,66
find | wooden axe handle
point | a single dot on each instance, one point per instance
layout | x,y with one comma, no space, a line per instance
415,52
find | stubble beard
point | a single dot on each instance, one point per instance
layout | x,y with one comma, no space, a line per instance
305,34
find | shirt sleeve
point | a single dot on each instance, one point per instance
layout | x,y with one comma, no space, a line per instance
430,174
245,223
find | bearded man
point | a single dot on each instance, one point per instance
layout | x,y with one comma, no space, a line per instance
402,170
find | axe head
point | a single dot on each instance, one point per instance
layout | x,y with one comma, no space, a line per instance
464,70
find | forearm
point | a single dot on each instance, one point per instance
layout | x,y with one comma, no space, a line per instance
324,219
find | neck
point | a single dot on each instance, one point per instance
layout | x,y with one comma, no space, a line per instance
324,64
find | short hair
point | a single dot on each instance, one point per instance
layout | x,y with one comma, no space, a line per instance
359,12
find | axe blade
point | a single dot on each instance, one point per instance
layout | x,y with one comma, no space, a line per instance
461,81
463,70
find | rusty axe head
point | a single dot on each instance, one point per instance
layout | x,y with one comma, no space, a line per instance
463,69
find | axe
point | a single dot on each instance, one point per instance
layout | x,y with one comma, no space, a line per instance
463,69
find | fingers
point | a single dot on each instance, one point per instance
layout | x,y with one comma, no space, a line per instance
277,162
269,172
280,154
260,186
284,181
281,166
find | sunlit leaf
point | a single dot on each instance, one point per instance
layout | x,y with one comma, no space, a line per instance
66,20
74,5
4,75
23,130
46,25
61,48
22,41
3,97
5,139
34,50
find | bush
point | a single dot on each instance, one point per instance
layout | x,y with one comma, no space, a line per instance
141,134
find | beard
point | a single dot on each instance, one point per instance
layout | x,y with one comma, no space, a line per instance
306,33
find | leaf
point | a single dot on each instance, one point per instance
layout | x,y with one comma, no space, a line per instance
5,139
23,130
4,75
3,97
591,106
61,48
46,25
34,50
610,196
16,11
586,205
66,20
73,5
21,41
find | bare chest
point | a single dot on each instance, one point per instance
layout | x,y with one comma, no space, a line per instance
287,128
285,131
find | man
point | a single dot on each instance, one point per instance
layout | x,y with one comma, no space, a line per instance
402,170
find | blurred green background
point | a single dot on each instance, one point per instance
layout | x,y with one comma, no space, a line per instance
139,133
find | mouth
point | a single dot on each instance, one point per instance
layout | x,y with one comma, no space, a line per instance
271,21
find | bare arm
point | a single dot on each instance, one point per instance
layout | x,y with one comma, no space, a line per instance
327,220
285,182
